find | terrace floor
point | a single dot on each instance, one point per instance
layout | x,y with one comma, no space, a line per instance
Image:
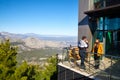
109,69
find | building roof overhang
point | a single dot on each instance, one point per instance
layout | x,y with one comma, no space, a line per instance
105,12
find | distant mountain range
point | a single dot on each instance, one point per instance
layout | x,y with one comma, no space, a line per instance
52,37
31,41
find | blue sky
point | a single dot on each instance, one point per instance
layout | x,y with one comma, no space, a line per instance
48,17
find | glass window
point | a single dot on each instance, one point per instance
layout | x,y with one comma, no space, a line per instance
110,27
100,23
100,35
95,1
112,23
112,2
98,4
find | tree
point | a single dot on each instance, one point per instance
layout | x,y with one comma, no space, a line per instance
50,70
24,72
7,60
9,70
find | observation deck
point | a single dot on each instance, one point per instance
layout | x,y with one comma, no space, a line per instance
69,68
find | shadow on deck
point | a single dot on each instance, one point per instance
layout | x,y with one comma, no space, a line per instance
109,69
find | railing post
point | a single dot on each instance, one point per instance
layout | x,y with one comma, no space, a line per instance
89,62
62,55
65,74
73,75
111,69
57,58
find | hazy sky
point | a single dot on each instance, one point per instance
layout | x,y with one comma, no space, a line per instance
49,17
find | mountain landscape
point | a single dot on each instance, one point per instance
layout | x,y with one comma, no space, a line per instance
34,47
29,41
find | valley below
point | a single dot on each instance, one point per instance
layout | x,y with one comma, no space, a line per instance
35,48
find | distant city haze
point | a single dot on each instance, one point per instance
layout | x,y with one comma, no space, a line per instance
45,17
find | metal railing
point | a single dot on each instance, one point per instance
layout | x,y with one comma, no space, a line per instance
109,66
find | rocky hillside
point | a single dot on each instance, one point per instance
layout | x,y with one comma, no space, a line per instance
37,43
28,42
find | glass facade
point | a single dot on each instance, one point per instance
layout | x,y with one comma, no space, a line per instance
112,23
109,27
111,2
98,4
105,3
104,22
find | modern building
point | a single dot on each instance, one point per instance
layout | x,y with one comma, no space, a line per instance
96,19
100,19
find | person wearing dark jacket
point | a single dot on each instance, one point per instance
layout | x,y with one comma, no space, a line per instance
82,45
